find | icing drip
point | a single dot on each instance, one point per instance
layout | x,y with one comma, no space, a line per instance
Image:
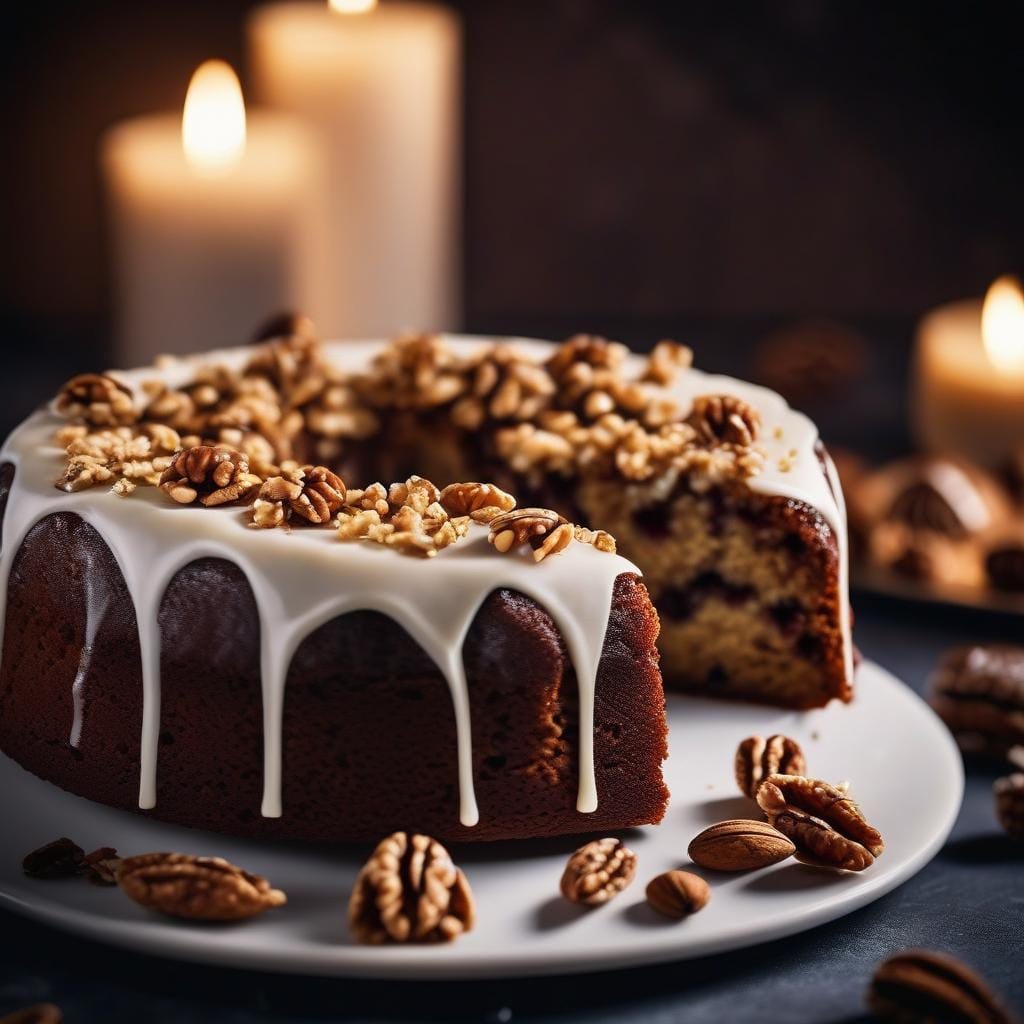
97,602
302,579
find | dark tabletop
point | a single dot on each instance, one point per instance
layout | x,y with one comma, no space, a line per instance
968,901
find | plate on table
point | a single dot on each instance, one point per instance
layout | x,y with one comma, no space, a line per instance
523,926
876,580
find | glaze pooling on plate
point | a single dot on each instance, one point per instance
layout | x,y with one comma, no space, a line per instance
304,578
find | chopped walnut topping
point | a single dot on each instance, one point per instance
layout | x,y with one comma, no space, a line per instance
596,538
97,398
579,413
504,385
213,474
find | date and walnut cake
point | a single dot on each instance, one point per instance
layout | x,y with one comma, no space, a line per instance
207,620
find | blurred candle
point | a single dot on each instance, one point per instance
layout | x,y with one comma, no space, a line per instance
969,376
210,220
380,85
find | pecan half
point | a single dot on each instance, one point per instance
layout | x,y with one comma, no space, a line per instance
678,893
197,888
410,891
826,826
97,398
757,758
740,845
544,530
724,419
978,692
922,985
466,498
215,474
598,872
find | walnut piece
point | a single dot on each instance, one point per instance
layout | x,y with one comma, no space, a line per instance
407,516
757,758
314,493
667,359
598,872
464,499
596,538
724,419
544,530
215,474
97,398
678,894
197,888
410,891
827,827
922,985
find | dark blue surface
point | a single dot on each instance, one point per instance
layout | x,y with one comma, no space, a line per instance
968,901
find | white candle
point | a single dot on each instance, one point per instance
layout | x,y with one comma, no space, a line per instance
968,382
210,220
380,84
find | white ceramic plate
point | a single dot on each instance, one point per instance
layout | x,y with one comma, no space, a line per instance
904,769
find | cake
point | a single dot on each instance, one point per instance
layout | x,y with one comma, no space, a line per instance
163,651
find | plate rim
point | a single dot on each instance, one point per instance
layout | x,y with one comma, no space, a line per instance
423,963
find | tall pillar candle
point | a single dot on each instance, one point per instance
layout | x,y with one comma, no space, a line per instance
968,380
381,87
210,232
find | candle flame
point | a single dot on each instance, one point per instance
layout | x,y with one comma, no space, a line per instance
213,125
352,6
1002,325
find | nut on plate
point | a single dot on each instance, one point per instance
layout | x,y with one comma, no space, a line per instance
757,758
678,893
920,986
543,529
196,888
598,872
739,845
410,891
826,826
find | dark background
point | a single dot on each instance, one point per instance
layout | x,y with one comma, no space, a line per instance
743,176
712,171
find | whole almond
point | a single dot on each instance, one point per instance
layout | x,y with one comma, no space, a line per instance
678,893
740,845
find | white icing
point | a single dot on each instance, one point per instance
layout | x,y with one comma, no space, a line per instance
305,578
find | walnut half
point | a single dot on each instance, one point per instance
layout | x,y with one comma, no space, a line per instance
410,891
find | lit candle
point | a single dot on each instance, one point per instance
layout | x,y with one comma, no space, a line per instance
969,377
212,228
380,85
